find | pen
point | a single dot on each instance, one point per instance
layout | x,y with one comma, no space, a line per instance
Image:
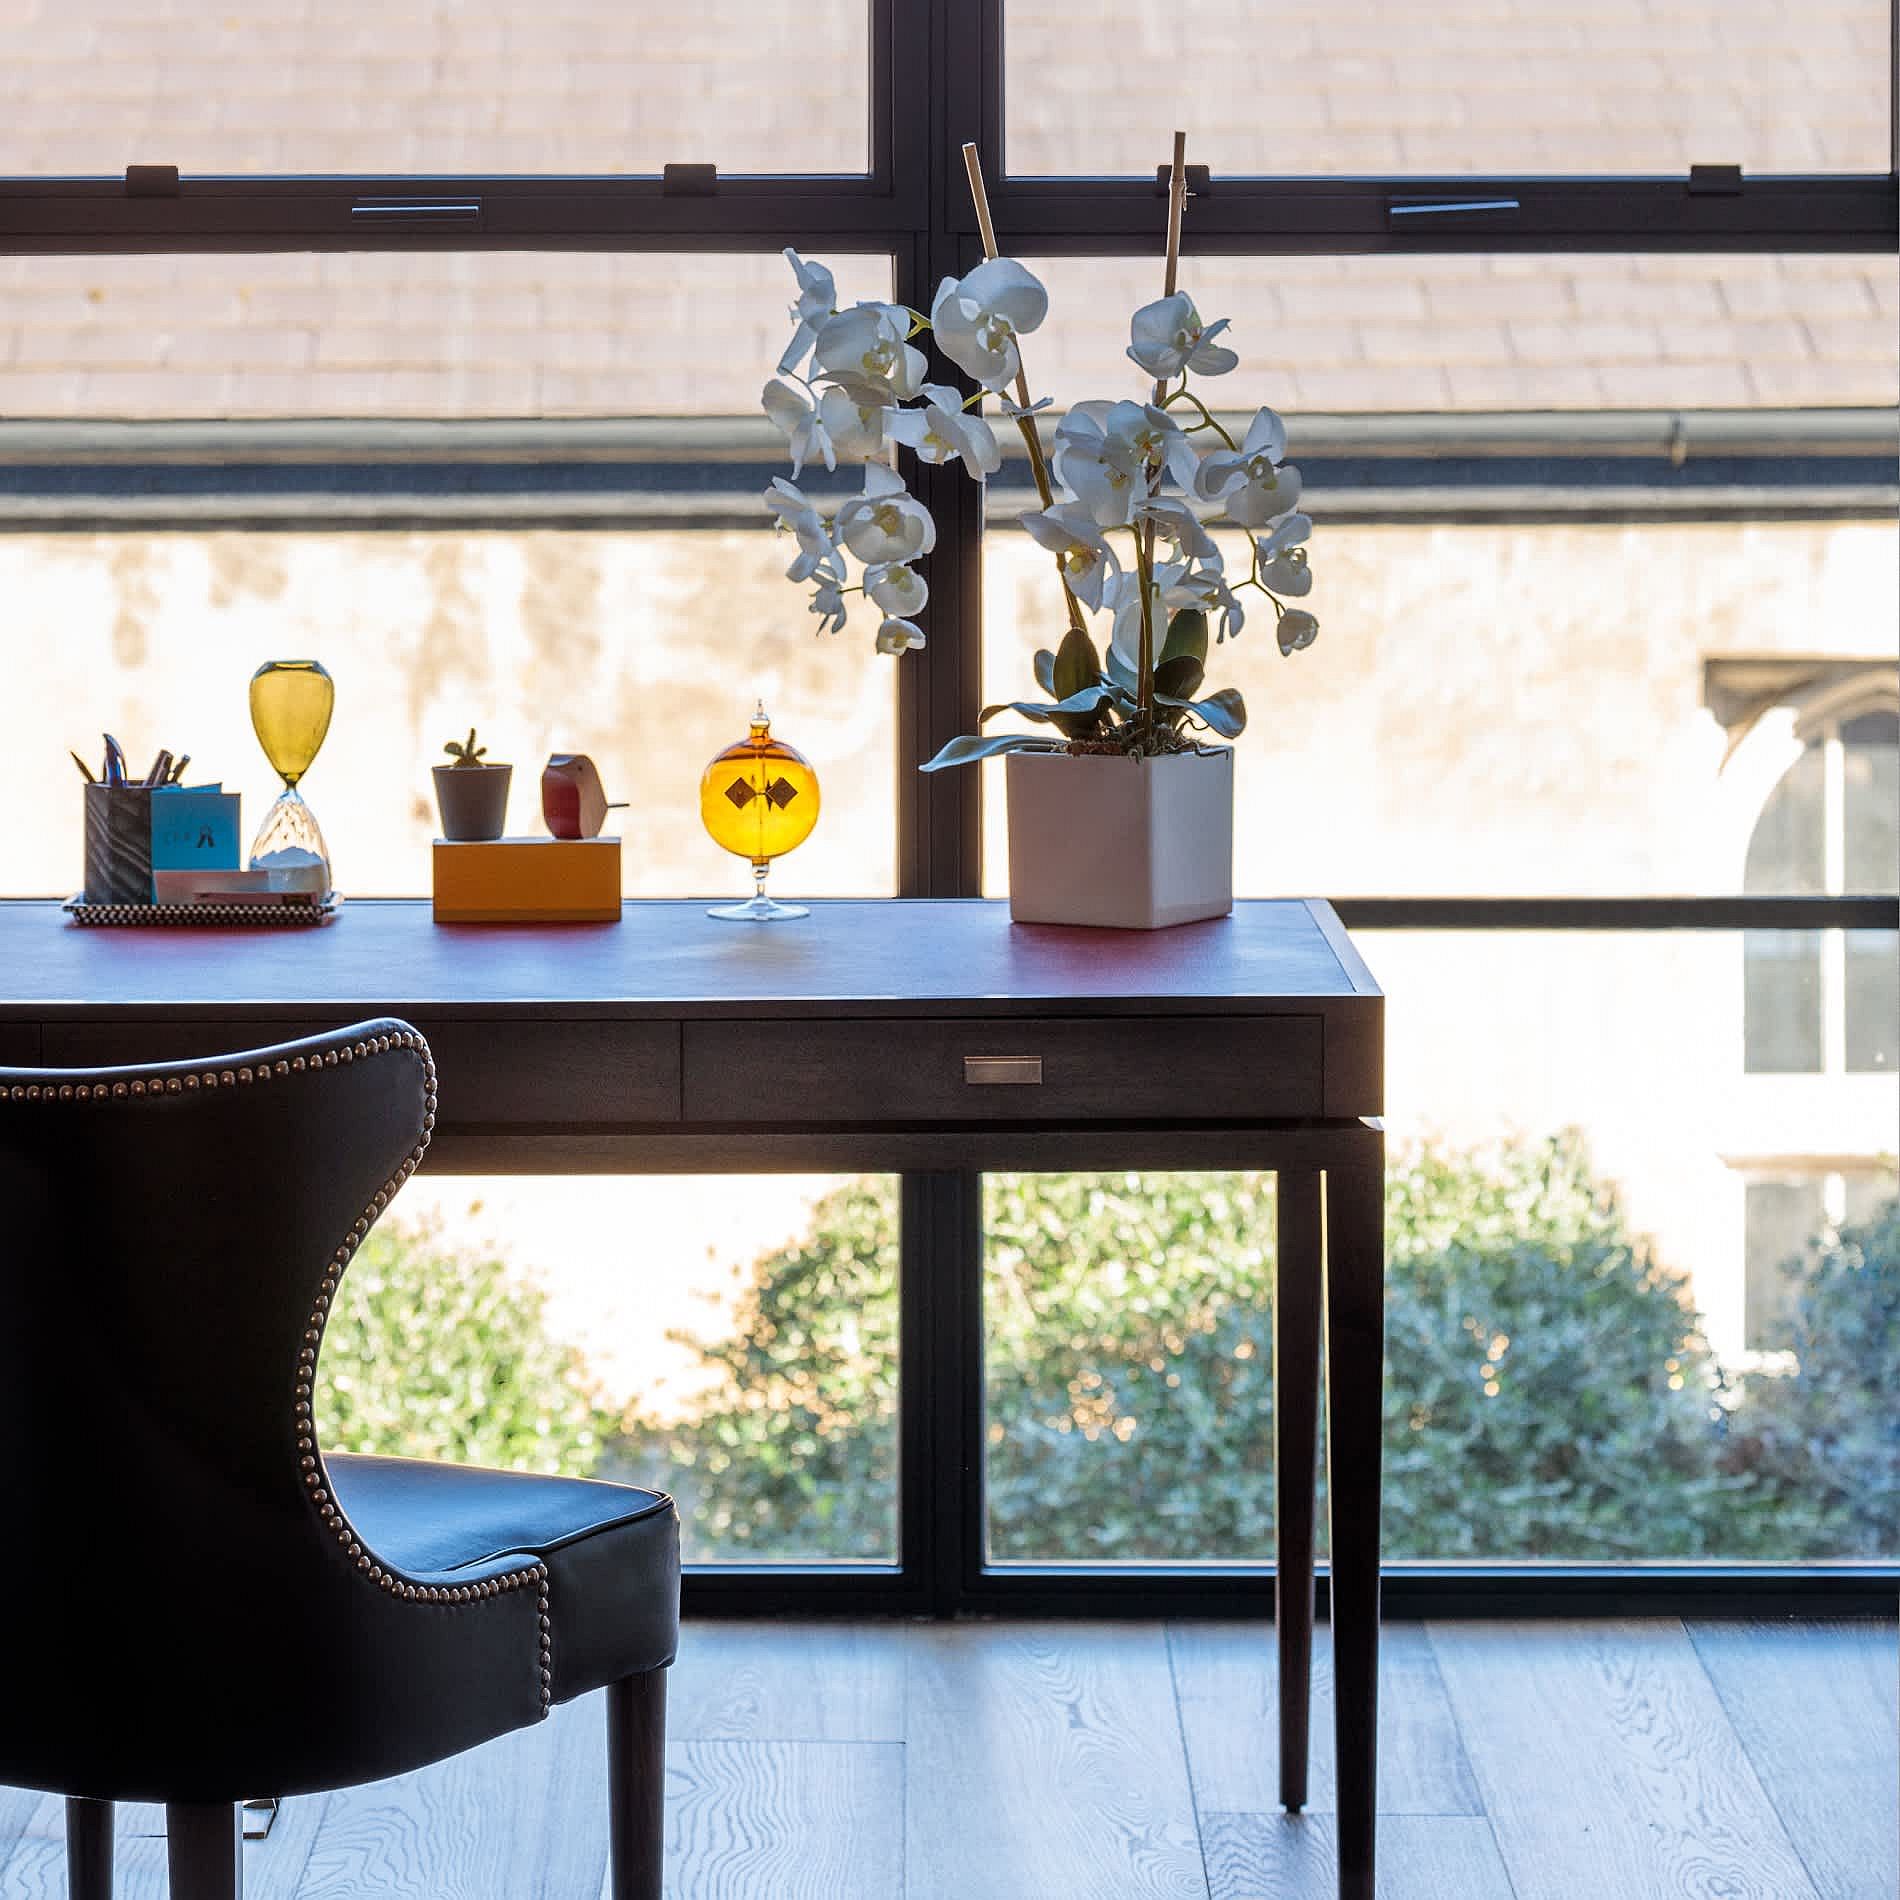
178,768
85,771
161,768
115,761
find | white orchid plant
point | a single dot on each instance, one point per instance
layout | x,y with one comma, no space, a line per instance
1118,493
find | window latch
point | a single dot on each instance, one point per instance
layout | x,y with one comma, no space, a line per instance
689,181
1715,181
401,211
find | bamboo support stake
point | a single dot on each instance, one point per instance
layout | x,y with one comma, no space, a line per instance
1177,204
1025,422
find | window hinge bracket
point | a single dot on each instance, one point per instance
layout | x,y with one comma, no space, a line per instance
689,181
1199,185
151,181
1715,181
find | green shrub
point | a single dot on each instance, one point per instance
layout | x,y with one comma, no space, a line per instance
1826,1437
1548,1390
434,1351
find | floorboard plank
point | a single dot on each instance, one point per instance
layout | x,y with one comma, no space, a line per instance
1815,1706
807,1681
1227,1676
523,1817
785,1821
1045,1762
1294,1857
1608,1766
273,1868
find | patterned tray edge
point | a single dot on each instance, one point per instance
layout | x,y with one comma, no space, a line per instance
205,916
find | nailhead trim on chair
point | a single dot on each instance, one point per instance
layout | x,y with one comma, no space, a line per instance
536,1575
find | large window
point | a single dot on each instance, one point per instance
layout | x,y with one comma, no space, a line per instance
441,361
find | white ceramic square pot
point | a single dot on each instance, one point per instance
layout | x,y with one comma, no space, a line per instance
1131,844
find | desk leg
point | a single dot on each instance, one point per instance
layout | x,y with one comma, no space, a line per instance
1355,1364
1296,1304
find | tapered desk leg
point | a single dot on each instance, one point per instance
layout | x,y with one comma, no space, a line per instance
88,1848
1355,1365
204,1846
1296,1305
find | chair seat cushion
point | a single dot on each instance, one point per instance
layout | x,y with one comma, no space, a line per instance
612,1551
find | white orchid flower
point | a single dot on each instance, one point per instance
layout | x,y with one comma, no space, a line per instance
1168,336
802,424
1177,521
898,589
1297,629
817,552
979,317
1087,562
827,602
1280,561
899,636
856,429
886,522
1250,482
1152,437
863,350
1207,589
1105,477
941,432
817,299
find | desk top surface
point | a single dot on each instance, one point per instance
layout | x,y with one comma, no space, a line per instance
885,957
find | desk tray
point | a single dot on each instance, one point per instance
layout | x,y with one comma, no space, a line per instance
206,916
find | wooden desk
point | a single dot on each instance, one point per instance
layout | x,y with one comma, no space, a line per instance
882,1035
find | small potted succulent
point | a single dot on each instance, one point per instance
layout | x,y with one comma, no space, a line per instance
471,793
1121,795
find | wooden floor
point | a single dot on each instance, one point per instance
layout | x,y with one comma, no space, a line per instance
1520,1761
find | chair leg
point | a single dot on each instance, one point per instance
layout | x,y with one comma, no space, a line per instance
636,1784
204,1844
88,1848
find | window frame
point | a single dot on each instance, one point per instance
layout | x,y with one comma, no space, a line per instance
935,81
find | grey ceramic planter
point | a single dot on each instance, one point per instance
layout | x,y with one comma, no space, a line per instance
473,800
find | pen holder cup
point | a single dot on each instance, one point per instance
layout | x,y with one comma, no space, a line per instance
118,844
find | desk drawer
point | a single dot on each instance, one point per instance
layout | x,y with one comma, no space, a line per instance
993,1069
488,1074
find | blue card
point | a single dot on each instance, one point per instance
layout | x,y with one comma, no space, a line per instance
194,828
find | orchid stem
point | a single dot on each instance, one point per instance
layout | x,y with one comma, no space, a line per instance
1145,534
1026,423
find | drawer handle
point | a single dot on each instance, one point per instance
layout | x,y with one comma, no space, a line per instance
1018,1069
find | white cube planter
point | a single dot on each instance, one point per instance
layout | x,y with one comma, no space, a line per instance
1129,844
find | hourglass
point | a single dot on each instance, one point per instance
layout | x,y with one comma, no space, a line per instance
291,703
759,799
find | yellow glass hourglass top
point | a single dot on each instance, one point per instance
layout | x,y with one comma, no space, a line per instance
291,703
759,798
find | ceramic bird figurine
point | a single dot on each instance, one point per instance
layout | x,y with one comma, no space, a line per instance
572,799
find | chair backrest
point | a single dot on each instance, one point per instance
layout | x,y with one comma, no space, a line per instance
170,1238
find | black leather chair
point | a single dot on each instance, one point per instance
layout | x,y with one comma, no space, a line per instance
199,1604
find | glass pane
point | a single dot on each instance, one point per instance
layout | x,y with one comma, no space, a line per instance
596,573
1873,1001
1507,694
1871,749
732,1340
1575,1247
1370,87
1781,1218
1786,852
443,86
1781,990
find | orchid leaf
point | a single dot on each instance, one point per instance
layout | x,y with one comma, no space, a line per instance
1085,701
1046,672
1078,665
974,746
1187,637
1120,672
1224,712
